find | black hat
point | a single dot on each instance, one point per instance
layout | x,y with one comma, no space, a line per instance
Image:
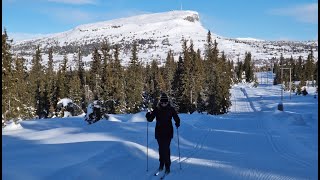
164,97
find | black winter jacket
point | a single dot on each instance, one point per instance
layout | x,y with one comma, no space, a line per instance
164,115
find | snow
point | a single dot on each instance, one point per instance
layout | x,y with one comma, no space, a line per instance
253,141
11,126
249,39
64,101
171,27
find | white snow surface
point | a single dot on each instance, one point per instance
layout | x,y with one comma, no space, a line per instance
253,141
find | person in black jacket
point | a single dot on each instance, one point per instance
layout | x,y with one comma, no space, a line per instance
164,113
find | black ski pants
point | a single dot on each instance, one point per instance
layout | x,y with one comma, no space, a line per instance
164,152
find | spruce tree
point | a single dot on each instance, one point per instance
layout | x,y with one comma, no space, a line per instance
76,91
212,77
239,70
82,76
161,80
95,74
277,72
107,76
154,80
225,84
169,69
148,100
199,73
248,67
7,83
309,67
118,82
193,74
178,87
62,80
134,82
20,97
36,83
294,68
51,84
186,104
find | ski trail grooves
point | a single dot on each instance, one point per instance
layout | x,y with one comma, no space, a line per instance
277,146
240,101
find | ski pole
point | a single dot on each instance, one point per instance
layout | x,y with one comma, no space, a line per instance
179,148
147,145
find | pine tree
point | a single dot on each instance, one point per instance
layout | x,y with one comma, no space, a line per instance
7,83
94,74
212,92
248,67
309,67
239,70
160,79
193,75
51,84
201,104
208,47
294,68
186,104
199,72
178,87
148,88
212,77
154,83
155,87
75,89
62,81
169,69
82,76
36,83
118,82
20,97
218,80
225,84
277,73
134,82
106,74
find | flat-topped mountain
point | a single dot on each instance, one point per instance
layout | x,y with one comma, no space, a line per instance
156,34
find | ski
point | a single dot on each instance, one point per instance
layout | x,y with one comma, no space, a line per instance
163,176
157,172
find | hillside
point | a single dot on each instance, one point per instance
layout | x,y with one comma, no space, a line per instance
156,34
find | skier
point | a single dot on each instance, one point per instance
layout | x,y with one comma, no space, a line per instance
163,113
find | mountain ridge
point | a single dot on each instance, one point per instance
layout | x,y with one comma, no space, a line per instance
157,33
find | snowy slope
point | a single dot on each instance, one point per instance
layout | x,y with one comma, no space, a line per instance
253,141
156,34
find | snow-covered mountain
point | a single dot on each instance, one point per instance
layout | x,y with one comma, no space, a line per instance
156,34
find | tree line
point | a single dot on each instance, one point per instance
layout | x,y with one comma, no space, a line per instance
302,71
193,82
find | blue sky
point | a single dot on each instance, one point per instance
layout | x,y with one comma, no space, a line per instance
261,19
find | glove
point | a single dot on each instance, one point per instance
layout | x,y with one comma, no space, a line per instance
177,125
148,116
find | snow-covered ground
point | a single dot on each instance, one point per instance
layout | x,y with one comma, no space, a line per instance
253,141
